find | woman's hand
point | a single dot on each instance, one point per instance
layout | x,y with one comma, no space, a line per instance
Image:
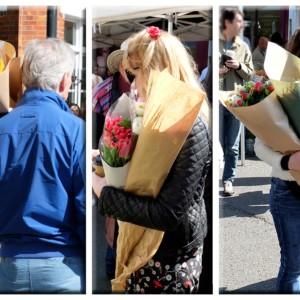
98,184
294,161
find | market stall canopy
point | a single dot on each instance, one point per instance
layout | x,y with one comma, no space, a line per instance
112,25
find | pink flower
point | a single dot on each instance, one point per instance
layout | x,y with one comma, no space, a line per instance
258,86
124,147
244,95
270,88
154,32
239,103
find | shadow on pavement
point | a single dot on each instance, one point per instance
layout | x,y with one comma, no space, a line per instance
263,287
249,181
245,205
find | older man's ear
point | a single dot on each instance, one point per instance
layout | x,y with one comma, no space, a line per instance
64,85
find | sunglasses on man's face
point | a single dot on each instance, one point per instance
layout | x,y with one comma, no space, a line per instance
130,76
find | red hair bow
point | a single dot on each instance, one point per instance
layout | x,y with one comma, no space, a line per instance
154,32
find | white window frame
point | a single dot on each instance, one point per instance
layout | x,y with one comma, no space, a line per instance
78,50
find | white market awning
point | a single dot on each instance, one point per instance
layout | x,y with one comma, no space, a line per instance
112,25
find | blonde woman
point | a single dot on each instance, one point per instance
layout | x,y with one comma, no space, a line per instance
179,209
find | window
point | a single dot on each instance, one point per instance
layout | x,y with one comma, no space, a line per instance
74,30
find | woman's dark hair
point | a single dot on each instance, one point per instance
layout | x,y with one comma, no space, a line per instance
229,15
78,109
294,43
277,39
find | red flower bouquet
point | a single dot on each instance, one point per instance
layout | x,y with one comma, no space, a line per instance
271,111
250,93
118,141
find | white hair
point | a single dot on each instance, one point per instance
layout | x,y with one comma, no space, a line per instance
45,63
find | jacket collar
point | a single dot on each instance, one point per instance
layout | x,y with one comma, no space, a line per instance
237,41
34,95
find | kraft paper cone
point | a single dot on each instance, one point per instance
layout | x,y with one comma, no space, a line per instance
268,121
9,52
288,94
280,64
15,80
168,118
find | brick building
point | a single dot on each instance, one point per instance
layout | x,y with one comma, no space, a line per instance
20,24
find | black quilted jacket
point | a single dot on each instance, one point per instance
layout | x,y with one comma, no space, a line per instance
179,209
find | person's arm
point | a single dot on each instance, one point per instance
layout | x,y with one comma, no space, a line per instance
265,153
246,68
78,183
166,211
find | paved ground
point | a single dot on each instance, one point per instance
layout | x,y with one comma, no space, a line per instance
249,251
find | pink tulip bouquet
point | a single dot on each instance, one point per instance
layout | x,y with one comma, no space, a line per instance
118,140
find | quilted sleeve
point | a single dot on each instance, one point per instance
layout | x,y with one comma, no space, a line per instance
167,210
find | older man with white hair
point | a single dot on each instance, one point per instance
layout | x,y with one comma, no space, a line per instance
42,180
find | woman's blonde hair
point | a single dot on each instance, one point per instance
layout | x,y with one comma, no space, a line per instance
164,52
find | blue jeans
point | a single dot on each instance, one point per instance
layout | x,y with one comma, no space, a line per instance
229,130
285,209
47,275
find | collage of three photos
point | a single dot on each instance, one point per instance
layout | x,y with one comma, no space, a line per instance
150,104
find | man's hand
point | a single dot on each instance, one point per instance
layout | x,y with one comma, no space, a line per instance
223,70
232,64
98,183
294,161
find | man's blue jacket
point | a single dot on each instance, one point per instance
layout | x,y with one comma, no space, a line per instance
42,178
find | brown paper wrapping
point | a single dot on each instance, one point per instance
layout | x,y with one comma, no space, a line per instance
280,64
170,112
268,121
10,78
15,80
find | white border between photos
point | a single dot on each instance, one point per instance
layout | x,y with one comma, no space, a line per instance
89,213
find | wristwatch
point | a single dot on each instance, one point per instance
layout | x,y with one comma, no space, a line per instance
285,162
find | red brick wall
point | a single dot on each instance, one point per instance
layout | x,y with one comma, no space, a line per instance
20,25
9,23
60,25
32,25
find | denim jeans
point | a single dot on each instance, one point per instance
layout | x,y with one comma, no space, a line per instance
285,209
47,275
230,129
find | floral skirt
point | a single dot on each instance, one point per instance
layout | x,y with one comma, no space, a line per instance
181,277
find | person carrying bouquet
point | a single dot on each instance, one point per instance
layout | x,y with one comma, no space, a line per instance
285,203
42,179
178,209
235,66
108,91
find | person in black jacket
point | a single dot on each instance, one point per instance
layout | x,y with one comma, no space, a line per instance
179,209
